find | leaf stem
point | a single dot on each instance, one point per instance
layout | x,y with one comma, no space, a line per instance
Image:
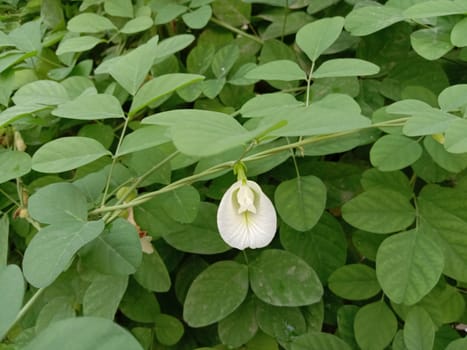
26,308
229,164
114,161
236,30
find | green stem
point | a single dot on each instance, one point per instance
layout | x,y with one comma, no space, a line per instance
114,161
26,308
236,30
228,165
108,217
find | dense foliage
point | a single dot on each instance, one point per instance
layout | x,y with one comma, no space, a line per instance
121,125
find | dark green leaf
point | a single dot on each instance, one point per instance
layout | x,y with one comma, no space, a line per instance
51,250
208,301
280,278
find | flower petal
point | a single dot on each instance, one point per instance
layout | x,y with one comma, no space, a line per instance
253,230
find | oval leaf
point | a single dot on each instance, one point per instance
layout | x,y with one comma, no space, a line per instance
345,67
86,333
314,38
12,292
90,107
208,300
117,251
394,152
50,251
284,70
58,203
402,266
14,165
280,278
354,282
375,325
300,202
67,153
379,211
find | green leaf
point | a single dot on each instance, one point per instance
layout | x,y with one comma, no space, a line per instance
318,341
233,12
103,296
443,220
198,18
419,330
324,246
53,247
90,107
181,204
345,320
452,162
456,140
137,25
14,165
344,67
281,278
199,237
224,59
168,329
268,104
458,344
117,251
315,37
143,138
393,180
132,69
332,114
87,333
354,282
173,44
240,326
379,211
89,23
58,203
139,304
4,233
375,325
402,266
169,12
458,33
369,19
41,92
160,87
394,152
12,292
453,97
208,301
119,8
300,202
152,273
282,323
59,308
436,8
67,153
14,113
79,44
432,43
283,70
201,133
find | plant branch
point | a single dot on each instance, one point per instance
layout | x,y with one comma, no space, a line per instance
236,30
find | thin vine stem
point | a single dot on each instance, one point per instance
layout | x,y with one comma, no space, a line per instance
26,308
229,164
236,30
114,161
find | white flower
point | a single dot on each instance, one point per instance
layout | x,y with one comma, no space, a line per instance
246,217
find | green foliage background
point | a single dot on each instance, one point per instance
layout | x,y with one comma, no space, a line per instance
122,118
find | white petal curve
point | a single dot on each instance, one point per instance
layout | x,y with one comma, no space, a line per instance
246,230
